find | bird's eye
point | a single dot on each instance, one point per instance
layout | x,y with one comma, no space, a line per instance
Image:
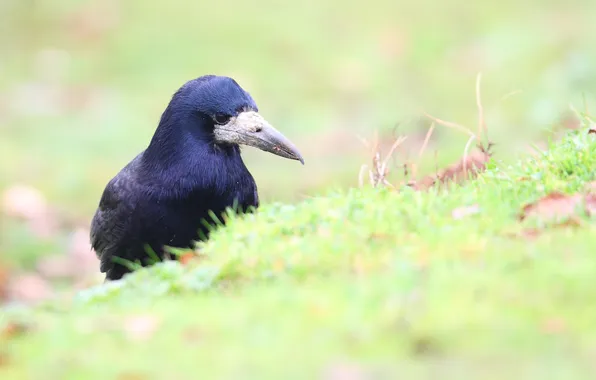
221,118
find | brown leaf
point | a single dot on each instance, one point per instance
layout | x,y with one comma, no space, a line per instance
462,212
4,359
527,233
187,257
193,335
29,288
13,330
468,167
3,284
554,326
345,371
141,327
591,204
553,206
26,202
132,376
29,204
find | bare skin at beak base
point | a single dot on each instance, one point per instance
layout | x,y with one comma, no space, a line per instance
250,128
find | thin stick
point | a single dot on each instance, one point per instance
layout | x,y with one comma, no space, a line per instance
426,139
481,122
361,175
510,94
397,143
465,159
450,125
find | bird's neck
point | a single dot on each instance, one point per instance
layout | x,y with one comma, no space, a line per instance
178,138
181,150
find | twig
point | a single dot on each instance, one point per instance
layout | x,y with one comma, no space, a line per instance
465,159
397,143
361,175
482,128
449,124
426,140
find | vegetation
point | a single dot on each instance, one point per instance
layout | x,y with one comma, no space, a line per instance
366,281
490,278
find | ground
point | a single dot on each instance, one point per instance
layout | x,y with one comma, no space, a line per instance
479,280
330,279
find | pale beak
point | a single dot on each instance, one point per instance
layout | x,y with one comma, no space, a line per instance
249,128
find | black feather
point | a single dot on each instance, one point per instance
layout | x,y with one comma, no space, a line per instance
160,198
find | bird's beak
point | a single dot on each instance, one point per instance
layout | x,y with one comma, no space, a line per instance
249,128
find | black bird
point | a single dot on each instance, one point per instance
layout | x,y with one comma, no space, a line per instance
192,166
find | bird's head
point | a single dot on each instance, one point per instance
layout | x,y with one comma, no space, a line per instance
230,116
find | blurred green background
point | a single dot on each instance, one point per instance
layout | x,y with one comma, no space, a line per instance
83,84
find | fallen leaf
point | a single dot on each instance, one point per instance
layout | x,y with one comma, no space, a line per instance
141,327
424,345
591,204
570,121
29,204
465,168
4,359
186,257
55,267
553,206
193,335
358,266
554,326
527,233
13,330
29,288
462,212
345,371
26,202
132,376
3,284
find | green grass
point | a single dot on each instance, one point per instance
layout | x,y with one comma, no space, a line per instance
370,280
313,67
333,68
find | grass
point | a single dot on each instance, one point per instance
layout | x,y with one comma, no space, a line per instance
313,67
84,84
364,282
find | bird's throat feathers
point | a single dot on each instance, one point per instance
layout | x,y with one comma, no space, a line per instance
182,154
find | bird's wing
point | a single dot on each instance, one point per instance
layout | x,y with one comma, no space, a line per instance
112,223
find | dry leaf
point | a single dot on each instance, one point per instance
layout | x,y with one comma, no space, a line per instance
25,202
187,257
79,263
28,203
29,288
141,327
194,335
554,326
13,330
132,376
3,284
468,167
527,233
345,371
462,212
553,206
4,359
590,201
55,267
